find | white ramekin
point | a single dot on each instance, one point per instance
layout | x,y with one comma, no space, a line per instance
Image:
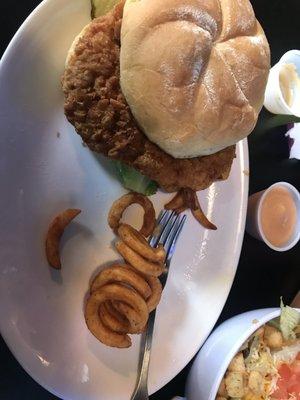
274,101
253,223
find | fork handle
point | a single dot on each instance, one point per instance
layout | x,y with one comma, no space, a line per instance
141,389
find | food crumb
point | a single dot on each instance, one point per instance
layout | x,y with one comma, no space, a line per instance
246,172
58,135
84,144
255,321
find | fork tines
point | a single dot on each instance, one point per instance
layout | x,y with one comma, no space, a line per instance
169,226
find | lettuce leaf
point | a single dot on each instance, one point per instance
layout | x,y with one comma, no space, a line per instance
133,180
253,355
289,319
287,354
101,7
275,323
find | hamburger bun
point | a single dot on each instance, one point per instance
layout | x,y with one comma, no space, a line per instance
193,72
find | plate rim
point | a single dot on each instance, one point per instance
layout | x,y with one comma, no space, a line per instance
20,30
243,151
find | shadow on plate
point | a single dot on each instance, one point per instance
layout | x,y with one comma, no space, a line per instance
106,164
75,229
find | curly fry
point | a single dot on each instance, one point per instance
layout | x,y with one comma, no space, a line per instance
122,273
137,325
193,202
201,217
113,316
176,203
138,243
54,234
117,293
112,319
138,262
120,205
179,210
190,198
156,288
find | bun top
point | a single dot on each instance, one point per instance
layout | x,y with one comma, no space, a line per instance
193,72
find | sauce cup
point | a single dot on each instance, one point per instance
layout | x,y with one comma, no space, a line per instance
254,225
274,99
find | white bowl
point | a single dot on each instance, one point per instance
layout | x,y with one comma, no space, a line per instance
213,359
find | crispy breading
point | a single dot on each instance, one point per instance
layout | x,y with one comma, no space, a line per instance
95,105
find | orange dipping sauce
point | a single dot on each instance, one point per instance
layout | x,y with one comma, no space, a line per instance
278,216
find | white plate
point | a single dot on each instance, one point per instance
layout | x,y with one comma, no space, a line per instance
41,311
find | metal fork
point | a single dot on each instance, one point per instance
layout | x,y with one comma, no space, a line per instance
167,231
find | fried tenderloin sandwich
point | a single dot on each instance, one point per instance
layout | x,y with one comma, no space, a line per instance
169,86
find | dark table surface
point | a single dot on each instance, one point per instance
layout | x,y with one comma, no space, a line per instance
263,275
